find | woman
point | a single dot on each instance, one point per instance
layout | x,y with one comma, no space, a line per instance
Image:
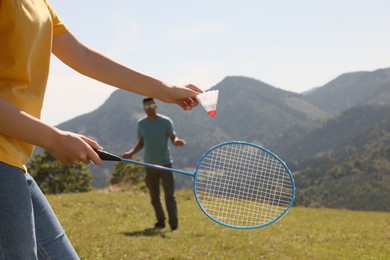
30,31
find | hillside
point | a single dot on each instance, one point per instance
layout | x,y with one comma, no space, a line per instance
352,89
347,129
254,113
360,182
343,162
354,174
250,109
258,107
335,138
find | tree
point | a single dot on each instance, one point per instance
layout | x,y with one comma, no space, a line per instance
128,175
54,177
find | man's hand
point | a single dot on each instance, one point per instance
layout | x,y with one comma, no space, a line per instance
127,155
179,142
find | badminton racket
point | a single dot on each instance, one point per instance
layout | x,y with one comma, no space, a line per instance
237,184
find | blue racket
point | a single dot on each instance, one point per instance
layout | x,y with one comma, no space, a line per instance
237,184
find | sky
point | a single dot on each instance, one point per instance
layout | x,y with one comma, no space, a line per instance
292,45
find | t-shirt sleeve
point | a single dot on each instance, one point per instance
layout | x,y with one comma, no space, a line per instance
170,128
58,25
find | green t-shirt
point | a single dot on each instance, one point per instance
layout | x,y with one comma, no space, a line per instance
155,134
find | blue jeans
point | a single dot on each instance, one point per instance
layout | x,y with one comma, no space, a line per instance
29,229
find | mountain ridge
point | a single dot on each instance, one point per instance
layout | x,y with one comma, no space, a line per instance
352,89
329,124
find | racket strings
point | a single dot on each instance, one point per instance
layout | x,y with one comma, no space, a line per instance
242,185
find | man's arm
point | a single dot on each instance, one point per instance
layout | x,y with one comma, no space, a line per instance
177,141
134,150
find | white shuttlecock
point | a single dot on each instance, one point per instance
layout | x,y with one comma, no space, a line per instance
209,101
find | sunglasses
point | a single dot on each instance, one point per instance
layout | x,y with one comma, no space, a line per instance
150,106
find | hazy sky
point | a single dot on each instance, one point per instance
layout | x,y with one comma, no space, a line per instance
292,45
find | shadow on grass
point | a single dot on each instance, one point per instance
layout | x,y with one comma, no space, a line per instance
148,232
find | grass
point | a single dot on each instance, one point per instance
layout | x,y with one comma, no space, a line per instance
114,225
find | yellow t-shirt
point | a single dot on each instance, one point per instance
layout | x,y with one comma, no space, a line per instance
26,32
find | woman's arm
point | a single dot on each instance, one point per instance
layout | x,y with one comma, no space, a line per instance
99,67
68,147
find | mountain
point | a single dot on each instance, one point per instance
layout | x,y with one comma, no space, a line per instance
335,137
252,110
354,172
243,101
341,162
248,110
334,134
352,89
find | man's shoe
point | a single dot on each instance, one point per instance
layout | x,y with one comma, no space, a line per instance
159,225
175,229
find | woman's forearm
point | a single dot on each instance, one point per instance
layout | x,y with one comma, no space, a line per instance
97,66
68,147
22,126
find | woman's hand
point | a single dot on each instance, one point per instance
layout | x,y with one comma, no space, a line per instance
72,148
184,96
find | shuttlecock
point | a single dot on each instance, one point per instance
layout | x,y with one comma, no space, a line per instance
209,101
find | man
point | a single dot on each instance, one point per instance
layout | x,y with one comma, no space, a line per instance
153,132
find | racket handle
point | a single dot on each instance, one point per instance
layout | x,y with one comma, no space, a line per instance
105,156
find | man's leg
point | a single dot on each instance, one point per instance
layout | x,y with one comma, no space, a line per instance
168,182
153,184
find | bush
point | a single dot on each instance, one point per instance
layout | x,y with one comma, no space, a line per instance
126,175
55,177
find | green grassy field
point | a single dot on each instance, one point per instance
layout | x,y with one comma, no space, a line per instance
116,225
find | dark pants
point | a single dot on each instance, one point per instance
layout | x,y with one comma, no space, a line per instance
153,177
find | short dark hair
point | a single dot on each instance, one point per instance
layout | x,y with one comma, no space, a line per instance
147,99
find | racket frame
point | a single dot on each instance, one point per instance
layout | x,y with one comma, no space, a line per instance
263,149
